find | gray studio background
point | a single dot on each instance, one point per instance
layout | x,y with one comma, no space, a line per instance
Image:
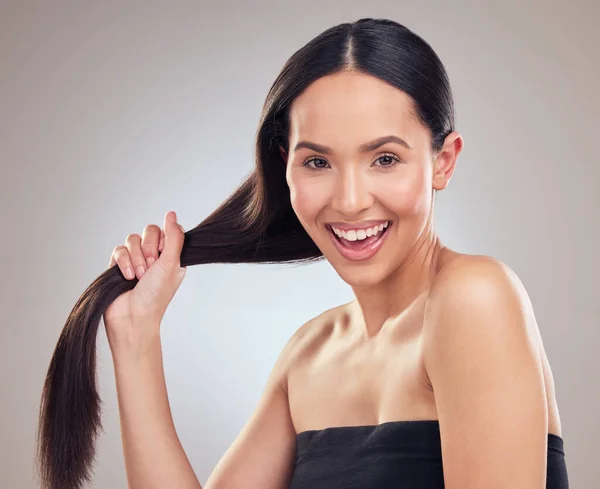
113,113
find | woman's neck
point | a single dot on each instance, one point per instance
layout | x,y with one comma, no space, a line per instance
376,304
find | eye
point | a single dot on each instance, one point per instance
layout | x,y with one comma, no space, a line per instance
316,160
392,160
389,160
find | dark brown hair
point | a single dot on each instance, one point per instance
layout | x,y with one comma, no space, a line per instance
256,224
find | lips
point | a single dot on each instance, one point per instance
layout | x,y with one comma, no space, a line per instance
360,249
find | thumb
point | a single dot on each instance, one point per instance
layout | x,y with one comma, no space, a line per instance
174,237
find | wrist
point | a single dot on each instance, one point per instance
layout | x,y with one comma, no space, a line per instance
139,342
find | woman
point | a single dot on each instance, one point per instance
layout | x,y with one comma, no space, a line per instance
434,376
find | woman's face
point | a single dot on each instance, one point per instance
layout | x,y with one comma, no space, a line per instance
338,172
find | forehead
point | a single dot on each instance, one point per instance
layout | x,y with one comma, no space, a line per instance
341,107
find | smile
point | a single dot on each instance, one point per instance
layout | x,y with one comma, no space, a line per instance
359,245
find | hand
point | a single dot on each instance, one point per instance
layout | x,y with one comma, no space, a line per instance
136,314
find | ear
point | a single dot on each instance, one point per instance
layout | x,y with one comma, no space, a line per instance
445,161
283,154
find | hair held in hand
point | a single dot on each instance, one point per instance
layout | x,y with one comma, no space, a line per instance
256,224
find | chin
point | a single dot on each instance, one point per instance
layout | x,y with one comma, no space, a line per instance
362,276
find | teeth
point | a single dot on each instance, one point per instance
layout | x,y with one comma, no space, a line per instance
360,234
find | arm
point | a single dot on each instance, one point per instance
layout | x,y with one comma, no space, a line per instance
481,357
154,457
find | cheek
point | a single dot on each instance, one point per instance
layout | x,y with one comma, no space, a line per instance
306,199
405,195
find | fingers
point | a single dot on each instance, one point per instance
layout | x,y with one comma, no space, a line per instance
173,241
133,242
150,239
120,256
138,253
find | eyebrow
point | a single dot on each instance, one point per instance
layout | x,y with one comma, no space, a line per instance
363,148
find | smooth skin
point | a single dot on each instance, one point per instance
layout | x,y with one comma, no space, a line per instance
159,278
432,333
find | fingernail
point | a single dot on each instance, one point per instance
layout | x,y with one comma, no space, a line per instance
172,216
129,273
150,260
140,271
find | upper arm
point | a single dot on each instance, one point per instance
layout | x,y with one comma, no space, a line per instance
263,453
483,364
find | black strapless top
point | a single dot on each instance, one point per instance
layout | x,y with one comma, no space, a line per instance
396,454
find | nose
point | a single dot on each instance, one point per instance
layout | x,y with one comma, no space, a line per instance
351,194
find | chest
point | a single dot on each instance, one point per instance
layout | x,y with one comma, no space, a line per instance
342,385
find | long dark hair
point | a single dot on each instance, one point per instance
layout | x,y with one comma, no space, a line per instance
256,224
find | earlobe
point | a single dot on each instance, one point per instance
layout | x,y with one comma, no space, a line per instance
441,175
440,179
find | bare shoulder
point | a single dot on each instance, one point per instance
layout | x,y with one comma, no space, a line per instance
309,338
479,302
476,300
476,303
478,281
477,275
471,266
